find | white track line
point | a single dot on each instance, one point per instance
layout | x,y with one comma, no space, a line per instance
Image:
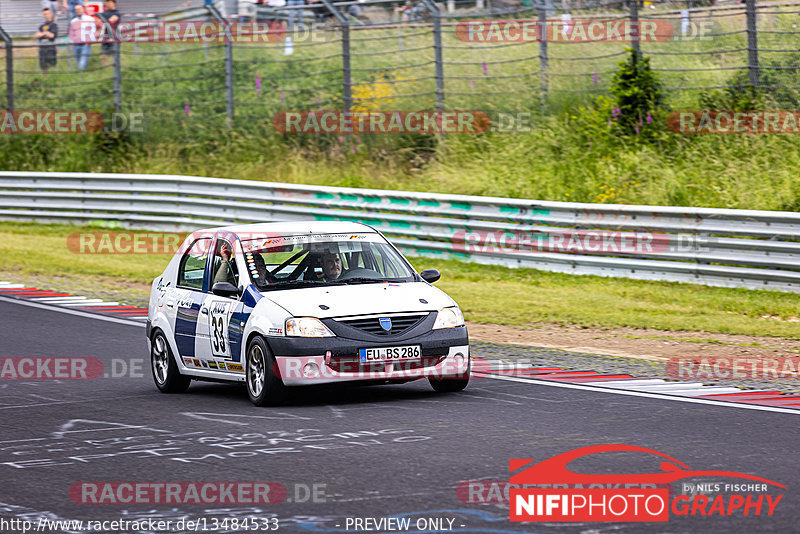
58,299
91,304
660,396
71,312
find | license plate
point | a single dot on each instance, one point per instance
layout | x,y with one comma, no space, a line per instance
389,354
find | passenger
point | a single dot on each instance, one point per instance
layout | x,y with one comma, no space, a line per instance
227,269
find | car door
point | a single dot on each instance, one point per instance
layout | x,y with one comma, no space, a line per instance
187,298
215,314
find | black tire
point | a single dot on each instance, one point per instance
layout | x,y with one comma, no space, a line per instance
450,384
165,371
264,386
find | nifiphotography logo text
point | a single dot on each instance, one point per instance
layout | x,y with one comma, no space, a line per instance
549,491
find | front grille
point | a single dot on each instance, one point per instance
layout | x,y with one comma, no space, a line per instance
372,325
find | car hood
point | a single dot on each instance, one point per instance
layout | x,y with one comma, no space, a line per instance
359,299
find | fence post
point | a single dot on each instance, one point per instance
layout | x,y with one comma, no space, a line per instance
544,84
9,44
229,109
117,78
437,52
752,42
635,30
347,82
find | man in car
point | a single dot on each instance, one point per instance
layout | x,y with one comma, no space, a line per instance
331,266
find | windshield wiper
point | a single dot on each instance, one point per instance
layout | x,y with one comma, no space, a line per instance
365,280
283,284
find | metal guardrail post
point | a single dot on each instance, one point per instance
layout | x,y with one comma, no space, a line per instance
544,83
229,108
752,42
9,44
437,52
117,78
634,17
347,82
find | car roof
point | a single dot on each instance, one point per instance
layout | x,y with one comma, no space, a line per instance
295,228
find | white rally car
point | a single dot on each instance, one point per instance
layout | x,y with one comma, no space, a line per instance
284,304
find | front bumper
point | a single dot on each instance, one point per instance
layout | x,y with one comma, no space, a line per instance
445,354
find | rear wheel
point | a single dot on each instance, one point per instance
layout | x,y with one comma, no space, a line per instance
449,384
264,387
165,371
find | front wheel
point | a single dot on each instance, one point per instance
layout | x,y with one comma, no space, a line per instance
449,384
264,387
165,371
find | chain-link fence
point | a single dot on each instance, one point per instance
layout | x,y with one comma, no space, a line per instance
420,55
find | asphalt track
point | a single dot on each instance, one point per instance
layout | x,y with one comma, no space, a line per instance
373,451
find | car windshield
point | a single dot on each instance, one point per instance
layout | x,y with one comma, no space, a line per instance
333,259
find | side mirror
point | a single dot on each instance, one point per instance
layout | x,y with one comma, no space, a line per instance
430,275
225,289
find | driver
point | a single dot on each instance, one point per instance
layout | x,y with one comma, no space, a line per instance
331,266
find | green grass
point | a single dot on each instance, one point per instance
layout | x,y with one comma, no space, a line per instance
487,294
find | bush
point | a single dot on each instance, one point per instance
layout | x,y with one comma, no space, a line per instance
637,92
778,81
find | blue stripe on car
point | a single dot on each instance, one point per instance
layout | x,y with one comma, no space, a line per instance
186,325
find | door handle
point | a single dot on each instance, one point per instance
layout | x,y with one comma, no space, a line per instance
204,311
170,304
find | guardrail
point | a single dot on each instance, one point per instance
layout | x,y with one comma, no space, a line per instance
719,247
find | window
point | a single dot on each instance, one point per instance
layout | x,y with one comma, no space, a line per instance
225,269
193,265
323,259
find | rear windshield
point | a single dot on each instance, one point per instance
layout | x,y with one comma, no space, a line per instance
332,259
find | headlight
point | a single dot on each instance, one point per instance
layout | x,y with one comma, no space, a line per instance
306,327
449,318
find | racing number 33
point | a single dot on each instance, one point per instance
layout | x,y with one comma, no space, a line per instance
218,328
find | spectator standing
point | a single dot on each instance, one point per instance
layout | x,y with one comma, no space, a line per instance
110,17
69,6
82,32
247,10
48,31
295,15
52,5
